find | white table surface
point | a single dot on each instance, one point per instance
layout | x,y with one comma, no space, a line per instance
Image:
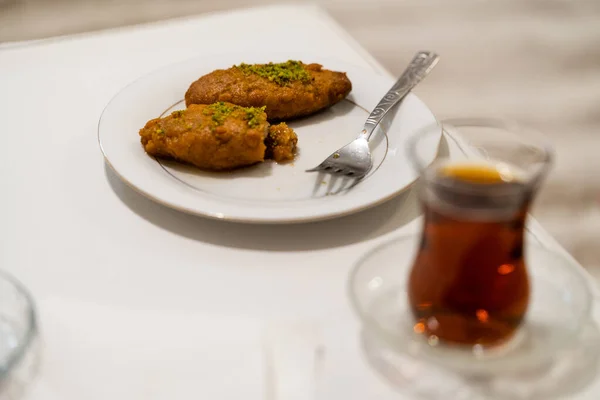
81,240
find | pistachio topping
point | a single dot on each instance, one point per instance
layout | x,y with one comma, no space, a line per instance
253,115
220,111
280,73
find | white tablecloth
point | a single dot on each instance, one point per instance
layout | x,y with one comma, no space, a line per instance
124,286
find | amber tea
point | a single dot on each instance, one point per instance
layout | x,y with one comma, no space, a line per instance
469,283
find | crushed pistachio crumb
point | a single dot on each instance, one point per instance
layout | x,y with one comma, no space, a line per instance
280,73
178,113
220,111
253,115
160,131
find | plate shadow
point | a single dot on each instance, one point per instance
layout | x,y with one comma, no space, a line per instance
338,232
343,231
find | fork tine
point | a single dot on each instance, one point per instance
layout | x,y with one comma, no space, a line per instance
324,166
333,168
315,169
342,171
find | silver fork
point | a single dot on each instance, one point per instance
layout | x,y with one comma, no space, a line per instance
354,159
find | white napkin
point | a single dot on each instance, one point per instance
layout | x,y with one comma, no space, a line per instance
97,352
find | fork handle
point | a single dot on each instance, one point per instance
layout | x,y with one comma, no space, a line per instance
419,67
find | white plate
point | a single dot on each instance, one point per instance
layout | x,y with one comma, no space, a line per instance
268,192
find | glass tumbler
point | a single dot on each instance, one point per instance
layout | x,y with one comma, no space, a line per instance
18,338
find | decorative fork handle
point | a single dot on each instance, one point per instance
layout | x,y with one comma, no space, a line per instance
419,67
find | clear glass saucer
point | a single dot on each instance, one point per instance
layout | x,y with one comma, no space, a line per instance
560,306
19,343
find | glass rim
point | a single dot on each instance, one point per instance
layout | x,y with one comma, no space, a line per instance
17,354
422,166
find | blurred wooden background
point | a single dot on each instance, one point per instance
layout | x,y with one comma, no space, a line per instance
534,60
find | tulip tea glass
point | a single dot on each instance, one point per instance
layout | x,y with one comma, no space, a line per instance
469,282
